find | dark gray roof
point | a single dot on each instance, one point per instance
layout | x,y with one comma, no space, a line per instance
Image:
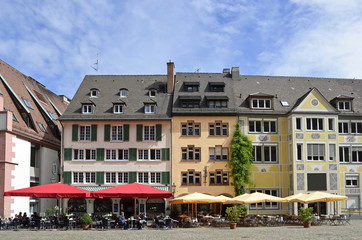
109,86
293,90
204,80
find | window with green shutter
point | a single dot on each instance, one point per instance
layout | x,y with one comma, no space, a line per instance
100,154
107,133
139,133
165,178
94,132
126,132
132,154
67,154
165,154
75,132
132,177
99,177
158,132
67,177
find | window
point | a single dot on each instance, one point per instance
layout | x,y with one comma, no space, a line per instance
94,93
357,154
284,103
262,126
217,104
299,152
87,109
143,177
219,178
261,103
298,124
190,129
191,153
344,105
218,153
265,154
111,177
332,152
191,87
41,126
52,116
122,154
217,87
356,127
85,133
81,177
218,129
190,103
149,108
149,154
111,154
116,154
315,152
123,177
152,93
27,103
123,93
315,124
266,205
317,181
352,180
84,154
149,133
330,124
191,178
118,108
343,127
117,133
155,177
344,154
14,117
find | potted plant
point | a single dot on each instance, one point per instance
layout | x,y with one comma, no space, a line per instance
85,220
306,216
232,216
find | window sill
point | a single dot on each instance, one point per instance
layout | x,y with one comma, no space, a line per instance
185,160
116,160
143,160
191,185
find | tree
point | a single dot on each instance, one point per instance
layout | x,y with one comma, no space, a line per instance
241,160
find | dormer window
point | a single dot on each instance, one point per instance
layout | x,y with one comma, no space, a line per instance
261,103
87,108
94,92
217,101
150,108
191,86
344,105
123,93
190,101
118,108
152,93
217,86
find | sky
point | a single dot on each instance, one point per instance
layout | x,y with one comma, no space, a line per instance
58,42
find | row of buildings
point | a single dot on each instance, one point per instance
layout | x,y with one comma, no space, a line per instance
174,131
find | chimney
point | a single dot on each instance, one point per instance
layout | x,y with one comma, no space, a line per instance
234,72
226,70
1,102
170,76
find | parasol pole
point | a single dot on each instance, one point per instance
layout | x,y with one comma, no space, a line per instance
135,211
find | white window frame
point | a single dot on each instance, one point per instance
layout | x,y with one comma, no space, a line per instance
333,124
152,93
257,103
343,127
314,124
350,178
123,93
85,132
356,158
150,108
342,105
117,133
118,108
122,177
344,154
356,127
84,177
299,152
261,122
332,153
110,177
149,133
300,122
94,93
263,149
87,108
316,150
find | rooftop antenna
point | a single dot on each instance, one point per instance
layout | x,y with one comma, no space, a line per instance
197,70
95,65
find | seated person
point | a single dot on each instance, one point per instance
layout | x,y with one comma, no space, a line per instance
122,221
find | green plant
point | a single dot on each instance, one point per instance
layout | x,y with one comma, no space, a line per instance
232,214
305,214
243,210
241,161
85,219
51,211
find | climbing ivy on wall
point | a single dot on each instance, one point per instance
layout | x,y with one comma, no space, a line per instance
241,160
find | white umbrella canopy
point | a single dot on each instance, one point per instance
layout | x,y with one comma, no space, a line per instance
295,196
319,197
255,197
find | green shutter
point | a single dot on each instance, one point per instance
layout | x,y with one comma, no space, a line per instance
132,177
67,177
100,154
139,132
67,154
75,132
158,132
126,132
94,132
132,154
107,133
99,177
165,154
165,177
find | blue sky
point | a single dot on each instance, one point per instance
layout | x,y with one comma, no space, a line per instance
56,42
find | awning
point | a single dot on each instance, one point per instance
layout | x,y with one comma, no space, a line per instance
217,98
189,98
191,83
